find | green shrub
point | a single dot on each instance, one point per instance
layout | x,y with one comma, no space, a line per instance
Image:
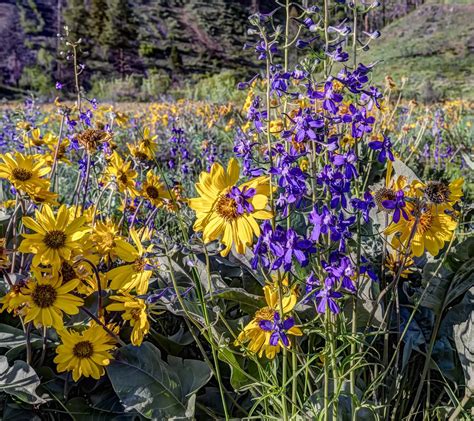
34,78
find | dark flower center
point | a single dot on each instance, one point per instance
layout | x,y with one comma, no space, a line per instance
226,207
136,313
21,174
67,272
152,192
384,194
123,178
44,296
55,239
139,265
437,192
265,313
83,349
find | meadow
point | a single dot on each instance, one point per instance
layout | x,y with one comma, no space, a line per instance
302,251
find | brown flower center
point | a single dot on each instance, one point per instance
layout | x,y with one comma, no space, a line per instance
55,239
123,178
384,194
83,349
139,265
152,192
425,221
437,192
67,272
265,313
44,296
136,313
21,174
226,207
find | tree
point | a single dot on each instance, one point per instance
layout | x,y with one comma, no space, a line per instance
97,18
120,34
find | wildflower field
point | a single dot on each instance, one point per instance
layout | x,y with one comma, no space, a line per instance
305,252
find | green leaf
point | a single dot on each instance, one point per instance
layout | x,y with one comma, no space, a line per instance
20,380
238,379
157,390
193,374
11,337
240,295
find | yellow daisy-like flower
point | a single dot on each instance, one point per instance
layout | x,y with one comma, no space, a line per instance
55,237
123,175
84,353
104,236
394,261
148,143
257,338
135,275
154,189
13,301
24,171
433,227
441,192
47,298
228,212
135,312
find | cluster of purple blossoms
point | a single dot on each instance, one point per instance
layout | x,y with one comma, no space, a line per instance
277,248
179,152
317,130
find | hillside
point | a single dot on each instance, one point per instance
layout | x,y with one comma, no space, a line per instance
433,47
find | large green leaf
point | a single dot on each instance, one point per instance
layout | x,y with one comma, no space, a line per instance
20,380
155,389
11,337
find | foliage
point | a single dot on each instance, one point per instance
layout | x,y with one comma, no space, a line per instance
300,247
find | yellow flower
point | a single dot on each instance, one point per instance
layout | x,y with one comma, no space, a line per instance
148,144
35,140
24,171
84,353
441,192
123,175
154,189
55,237
394,261
46,298
258,339
13,300
432,228
135,275
52,143
104,235
218,215
135,312
40,196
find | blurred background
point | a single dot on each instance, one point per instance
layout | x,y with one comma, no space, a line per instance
144,49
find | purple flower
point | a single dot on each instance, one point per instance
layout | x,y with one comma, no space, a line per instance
364,205
278,329
347,161
385,148
321,221
241,198
326,299
307,124
397,205
338,55
329,97
59,86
